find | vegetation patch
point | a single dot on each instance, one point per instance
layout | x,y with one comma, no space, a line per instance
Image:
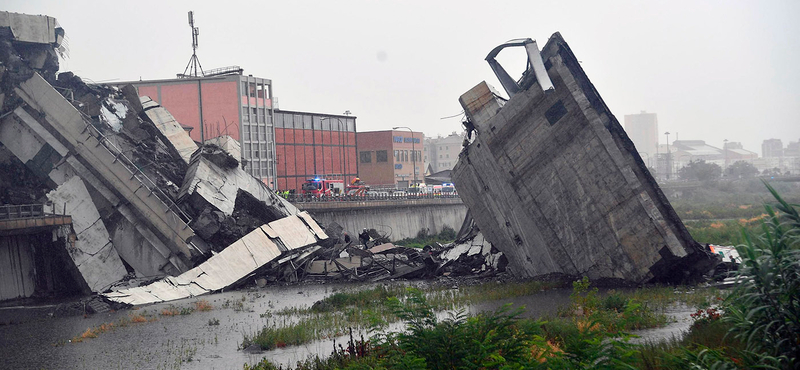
94,332
423,238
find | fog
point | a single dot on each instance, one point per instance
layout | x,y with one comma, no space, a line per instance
713,70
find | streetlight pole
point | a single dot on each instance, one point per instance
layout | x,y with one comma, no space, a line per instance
413,152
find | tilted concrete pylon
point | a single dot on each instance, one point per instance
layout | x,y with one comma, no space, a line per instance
553,181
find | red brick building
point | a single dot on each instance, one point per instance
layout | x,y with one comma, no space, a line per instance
386,158
230,104
312,145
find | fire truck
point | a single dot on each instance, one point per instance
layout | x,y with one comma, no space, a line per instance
357,187
319,188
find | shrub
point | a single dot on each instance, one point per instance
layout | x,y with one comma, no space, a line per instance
765,308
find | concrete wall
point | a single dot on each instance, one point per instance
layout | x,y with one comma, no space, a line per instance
17,270
397,219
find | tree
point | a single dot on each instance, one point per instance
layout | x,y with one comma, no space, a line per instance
772,172
741,169
700,171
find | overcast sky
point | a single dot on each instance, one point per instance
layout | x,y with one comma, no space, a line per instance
711,70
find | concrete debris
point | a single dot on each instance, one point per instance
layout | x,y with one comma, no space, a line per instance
168,126
233,264
475,255
228,144
93,252
553,181
226,202
120,166
469,256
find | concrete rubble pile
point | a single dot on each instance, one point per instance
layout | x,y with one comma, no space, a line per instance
554,182
469,255
136,185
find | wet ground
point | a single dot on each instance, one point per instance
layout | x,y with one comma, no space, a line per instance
36,341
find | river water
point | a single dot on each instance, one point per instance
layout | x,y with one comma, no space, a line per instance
36,341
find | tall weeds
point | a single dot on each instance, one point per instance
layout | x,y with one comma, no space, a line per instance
765,308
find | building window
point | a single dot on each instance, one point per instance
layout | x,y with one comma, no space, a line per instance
448,155
245,115
252,90
397,156
366,157
261,115
244,88
261,88
381,156
440,156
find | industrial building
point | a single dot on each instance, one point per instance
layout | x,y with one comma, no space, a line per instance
386,158
311,144
223,103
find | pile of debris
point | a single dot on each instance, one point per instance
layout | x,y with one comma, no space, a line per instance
144,199
154,215
470,255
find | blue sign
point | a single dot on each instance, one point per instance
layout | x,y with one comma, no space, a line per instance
398,166
409,140
397,139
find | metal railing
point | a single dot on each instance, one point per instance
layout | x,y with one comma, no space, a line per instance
299,198
136,173
20,211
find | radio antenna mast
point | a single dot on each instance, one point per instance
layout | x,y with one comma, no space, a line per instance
193,68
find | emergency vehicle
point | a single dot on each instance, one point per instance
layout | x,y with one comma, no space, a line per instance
357,187
318,188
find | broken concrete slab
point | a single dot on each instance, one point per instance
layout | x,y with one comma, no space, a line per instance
37,29
93,253
168,126
219,187
228,144
81,149
553,181
471,255
226,268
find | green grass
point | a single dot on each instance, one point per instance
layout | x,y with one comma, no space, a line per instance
721,232
368,310
447,235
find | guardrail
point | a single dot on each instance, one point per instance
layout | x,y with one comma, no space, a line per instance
362,198
20,211
135,172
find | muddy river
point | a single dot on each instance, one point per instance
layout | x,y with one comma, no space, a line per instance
36,341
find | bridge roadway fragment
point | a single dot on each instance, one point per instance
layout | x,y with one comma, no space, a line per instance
398,218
